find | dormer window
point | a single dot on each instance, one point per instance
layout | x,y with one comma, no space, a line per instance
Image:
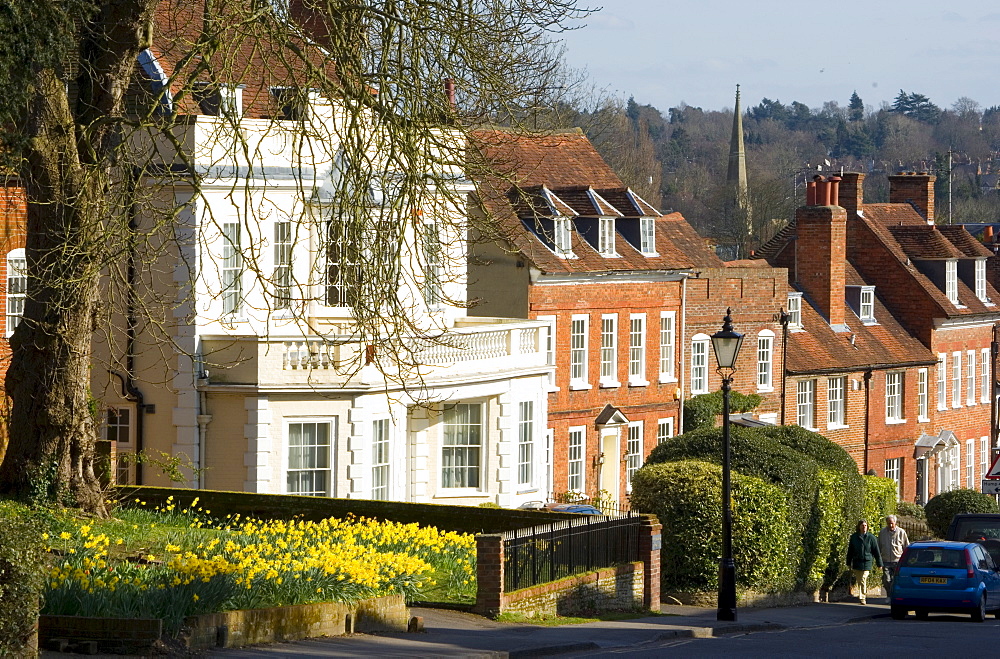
795,310
217,99
561,237
951,280
647,236
981,281
862,301
607,236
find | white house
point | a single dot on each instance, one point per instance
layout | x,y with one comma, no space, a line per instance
256,369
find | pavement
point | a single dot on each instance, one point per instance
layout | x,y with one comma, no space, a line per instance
457,634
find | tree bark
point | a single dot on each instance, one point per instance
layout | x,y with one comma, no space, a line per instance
69,177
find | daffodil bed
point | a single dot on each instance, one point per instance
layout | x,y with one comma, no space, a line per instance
169,563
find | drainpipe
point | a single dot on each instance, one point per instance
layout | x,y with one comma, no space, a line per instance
681,377
784,361
868,394
994,350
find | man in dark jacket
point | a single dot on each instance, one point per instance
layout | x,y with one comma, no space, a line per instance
862,554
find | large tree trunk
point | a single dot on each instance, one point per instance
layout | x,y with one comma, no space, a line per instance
69,176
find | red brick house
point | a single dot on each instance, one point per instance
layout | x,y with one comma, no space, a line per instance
13,221
632,297
889,347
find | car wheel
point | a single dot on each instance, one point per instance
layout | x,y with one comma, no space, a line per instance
921,614
898,612
979,614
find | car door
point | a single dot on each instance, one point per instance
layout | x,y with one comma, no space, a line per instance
991,577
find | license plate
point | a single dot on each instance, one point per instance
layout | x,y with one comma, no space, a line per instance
933,580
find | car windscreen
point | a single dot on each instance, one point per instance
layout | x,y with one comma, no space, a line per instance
935,557
973,530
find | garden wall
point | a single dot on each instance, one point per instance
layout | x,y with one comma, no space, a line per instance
610,589
462,519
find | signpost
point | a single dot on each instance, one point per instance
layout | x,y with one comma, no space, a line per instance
991,486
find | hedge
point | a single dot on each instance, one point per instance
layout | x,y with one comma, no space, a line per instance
701,411
22,555
818,482
880,501
687,498
943,507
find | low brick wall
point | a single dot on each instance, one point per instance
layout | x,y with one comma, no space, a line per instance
610,589
232,629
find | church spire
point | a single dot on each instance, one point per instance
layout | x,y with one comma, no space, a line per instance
737,174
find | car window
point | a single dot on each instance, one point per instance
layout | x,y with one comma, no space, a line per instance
935,557
971,530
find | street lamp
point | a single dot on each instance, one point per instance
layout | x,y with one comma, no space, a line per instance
726,345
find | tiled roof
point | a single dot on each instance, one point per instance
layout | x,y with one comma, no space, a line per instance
564,159
924,242
894,214
964,241
817,348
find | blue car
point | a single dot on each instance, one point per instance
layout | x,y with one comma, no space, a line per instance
953,577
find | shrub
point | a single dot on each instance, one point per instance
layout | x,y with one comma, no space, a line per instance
907,509
819,482
700,411
943,507
880,501
687,498
21,576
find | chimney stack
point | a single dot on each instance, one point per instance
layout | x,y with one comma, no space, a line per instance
852,192
821,255
916,188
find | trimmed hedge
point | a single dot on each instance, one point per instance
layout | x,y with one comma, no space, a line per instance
687,498
701,411
819,488
880,501
22,556
943,507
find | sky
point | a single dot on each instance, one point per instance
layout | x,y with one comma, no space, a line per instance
665,52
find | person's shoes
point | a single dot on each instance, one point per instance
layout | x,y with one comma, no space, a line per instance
863,602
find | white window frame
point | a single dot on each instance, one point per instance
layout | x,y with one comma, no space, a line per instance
579,353
699,364
119,429
432,286
805,404
765,361
17,287
526,444
606,236
951,280
381,485
550,348
984,375
609,350
463,477
866,304
231,271
836,400
282,280
955,460
664,429
562,231
981,281
637,350
942,381
970,377
984,455
576,460
795,311
633,452
970,465
922,399
894,397
956,379
647,235
320,450
894,470
668,346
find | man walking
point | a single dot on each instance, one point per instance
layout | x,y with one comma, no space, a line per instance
892,540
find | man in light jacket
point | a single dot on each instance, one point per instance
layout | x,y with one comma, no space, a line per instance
892,540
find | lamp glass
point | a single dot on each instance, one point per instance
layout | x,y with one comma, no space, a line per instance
726,346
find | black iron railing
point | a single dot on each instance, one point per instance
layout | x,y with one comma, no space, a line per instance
540,554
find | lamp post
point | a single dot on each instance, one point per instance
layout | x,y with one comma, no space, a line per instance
726,345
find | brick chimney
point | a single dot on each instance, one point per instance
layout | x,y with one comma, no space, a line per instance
820,257
916,188
852,191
